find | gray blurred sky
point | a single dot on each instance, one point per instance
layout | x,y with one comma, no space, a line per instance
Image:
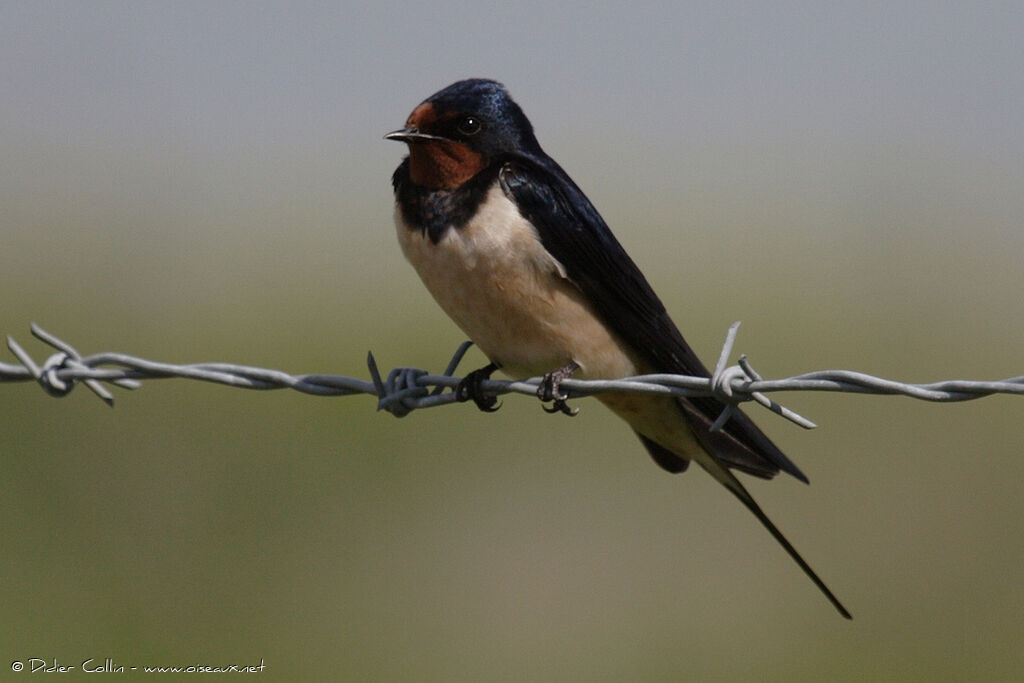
122,70
207,80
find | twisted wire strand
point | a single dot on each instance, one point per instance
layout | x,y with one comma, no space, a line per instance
405,389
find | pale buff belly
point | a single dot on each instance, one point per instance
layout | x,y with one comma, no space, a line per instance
497,282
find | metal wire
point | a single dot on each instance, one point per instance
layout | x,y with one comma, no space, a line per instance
406,389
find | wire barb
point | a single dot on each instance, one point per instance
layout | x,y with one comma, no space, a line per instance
406,389
728,384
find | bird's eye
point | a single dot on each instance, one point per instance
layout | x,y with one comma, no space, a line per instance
470,125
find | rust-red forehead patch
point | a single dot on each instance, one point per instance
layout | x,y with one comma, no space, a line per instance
422,117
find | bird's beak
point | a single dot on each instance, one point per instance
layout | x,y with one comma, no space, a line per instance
411,136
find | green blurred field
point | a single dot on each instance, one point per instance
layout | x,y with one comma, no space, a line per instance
199,523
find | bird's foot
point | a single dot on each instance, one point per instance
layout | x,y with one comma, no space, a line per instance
470,389
550,390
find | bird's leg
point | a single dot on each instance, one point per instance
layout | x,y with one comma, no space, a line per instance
550,386
469,389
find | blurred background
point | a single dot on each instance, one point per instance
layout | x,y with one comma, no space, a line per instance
207,181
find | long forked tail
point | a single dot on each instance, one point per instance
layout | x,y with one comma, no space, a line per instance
727,479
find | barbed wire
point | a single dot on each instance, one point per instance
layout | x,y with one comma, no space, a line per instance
406,389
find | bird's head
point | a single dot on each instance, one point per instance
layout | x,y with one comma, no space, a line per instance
461,130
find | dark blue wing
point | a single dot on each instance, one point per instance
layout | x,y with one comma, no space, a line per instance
575,234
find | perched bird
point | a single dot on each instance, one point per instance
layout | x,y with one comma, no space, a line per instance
519,258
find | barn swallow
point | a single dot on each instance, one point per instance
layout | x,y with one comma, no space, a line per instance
519,258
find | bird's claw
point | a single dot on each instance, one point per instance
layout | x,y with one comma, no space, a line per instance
550,390
560,406
470,388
